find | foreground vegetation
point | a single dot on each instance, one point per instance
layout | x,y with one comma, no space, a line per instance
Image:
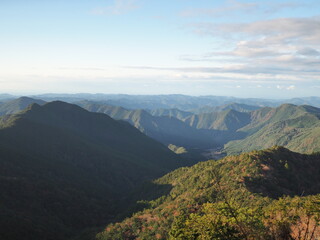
271,194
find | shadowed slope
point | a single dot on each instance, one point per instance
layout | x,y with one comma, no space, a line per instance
64,169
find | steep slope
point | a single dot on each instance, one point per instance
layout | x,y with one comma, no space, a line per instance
265,116
230,120
232,198
17,105
64,169
295,127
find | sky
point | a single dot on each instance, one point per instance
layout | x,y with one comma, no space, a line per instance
267,49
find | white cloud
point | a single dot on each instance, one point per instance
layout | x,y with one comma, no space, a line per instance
274,31
283,48
231,6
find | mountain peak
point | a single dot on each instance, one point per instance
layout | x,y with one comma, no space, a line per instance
62,106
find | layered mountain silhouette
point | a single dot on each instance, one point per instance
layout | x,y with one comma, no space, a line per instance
295,127
64,169
16,105
178,101
166,129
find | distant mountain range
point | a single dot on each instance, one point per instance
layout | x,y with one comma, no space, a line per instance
296,127
182,102
64,169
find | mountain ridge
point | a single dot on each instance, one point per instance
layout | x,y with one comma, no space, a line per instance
64,169
295,127
16,105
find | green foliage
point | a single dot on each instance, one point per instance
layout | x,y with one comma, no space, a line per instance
230,120
295,127
238,197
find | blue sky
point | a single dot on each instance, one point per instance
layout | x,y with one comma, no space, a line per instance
267,49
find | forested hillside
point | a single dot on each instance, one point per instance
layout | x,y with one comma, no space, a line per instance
270,194
295,127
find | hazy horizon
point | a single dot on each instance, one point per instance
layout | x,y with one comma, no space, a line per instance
114,94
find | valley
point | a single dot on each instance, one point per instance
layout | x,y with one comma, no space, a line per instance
89,165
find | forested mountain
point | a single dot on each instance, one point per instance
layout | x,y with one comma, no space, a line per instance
295,127
230,120
16,105
258,195
63,169
231,106
166,129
